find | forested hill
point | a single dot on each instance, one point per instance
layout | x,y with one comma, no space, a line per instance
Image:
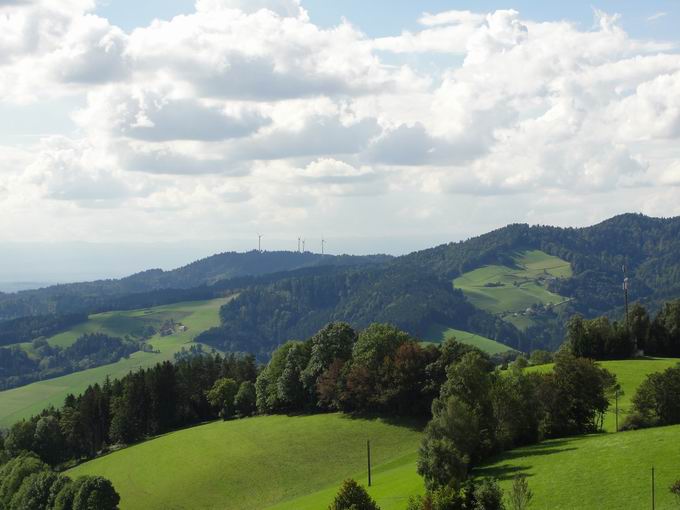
649,247
415,291
156,286
284,295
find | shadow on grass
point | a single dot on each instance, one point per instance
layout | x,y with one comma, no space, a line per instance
415,424
507,471
502,472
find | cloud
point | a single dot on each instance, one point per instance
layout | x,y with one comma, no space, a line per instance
657,16
280,7
249,111
320,135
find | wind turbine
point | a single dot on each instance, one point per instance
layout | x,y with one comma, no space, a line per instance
303,246
259,242
323,245
299,241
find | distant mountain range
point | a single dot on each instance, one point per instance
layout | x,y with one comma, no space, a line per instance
284,295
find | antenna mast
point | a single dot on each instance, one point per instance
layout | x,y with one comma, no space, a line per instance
625,301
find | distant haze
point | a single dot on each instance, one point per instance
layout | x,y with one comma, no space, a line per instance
34,265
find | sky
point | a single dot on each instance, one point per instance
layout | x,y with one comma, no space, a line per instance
383,126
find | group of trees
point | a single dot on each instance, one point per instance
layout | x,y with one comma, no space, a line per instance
25,329
381,369
18,367
481,411
484,494
26,483
601,339
656,401
142,404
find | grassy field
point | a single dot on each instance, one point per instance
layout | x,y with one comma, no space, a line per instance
508,290
272,461
438,334
629,374
198,316
607,471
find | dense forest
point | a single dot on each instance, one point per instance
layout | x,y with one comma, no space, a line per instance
410,298
156,286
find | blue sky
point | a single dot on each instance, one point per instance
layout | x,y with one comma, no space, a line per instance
386,17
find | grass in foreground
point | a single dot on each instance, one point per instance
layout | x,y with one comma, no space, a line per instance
438,334
260,462
507,290
608,471
25,401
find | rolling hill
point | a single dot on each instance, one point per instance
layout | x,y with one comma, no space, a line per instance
197,316
281,462
571,270
257,463
517,285
107,295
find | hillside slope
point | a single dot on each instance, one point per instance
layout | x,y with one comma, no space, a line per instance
415,291
255,463
101,295
608,471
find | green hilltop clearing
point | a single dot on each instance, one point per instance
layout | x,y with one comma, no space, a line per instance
511,291
438,334
282,463
197,316
264,461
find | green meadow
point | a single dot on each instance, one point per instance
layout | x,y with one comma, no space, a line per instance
605,471
197,316
271,461
509,291
438,334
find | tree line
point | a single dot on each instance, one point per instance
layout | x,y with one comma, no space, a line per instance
601,338
142,404
45,361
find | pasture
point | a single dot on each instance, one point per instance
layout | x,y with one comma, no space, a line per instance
270,461
510,290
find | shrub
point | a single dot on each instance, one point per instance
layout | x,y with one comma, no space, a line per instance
520,495
488,495
675,490
353,496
